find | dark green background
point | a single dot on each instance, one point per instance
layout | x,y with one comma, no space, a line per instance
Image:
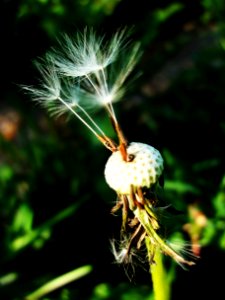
177,105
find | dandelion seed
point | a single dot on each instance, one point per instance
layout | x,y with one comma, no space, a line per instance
81,75
88,73
50,93
122,255
49,87
89,58
127,256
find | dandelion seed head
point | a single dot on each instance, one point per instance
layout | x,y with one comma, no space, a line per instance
143,171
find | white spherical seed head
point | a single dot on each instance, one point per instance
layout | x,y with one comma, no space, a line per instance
143,171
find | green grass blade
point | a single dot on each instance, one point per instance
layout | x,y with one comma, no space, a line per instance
58,282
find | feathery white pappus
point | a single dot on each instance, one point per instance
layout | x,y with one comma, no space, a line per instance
85,73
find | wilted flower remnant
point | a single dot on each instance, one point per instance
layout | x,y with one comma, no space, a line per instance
89,73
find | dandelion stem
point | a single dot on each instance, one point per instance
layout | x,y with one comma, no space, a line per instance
161,284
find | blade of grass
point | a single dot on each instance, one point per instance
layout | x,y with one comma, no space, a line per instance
58,282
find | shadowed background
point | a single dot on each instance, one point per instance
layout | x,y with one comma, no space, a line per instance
54,202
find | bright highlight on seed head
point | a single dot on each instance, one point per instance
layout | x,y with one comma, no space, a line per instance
144,169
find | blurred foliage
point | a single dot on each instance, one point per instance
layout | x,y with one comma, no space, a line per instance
54,203
56,12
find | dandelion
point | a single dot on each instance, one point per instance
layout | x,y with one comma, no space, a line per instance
88,73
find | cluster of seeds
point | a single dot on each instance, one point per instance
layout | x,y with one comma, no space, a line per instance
144,169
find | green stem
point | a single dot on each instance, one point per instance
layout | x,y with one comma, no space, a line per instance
161,284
